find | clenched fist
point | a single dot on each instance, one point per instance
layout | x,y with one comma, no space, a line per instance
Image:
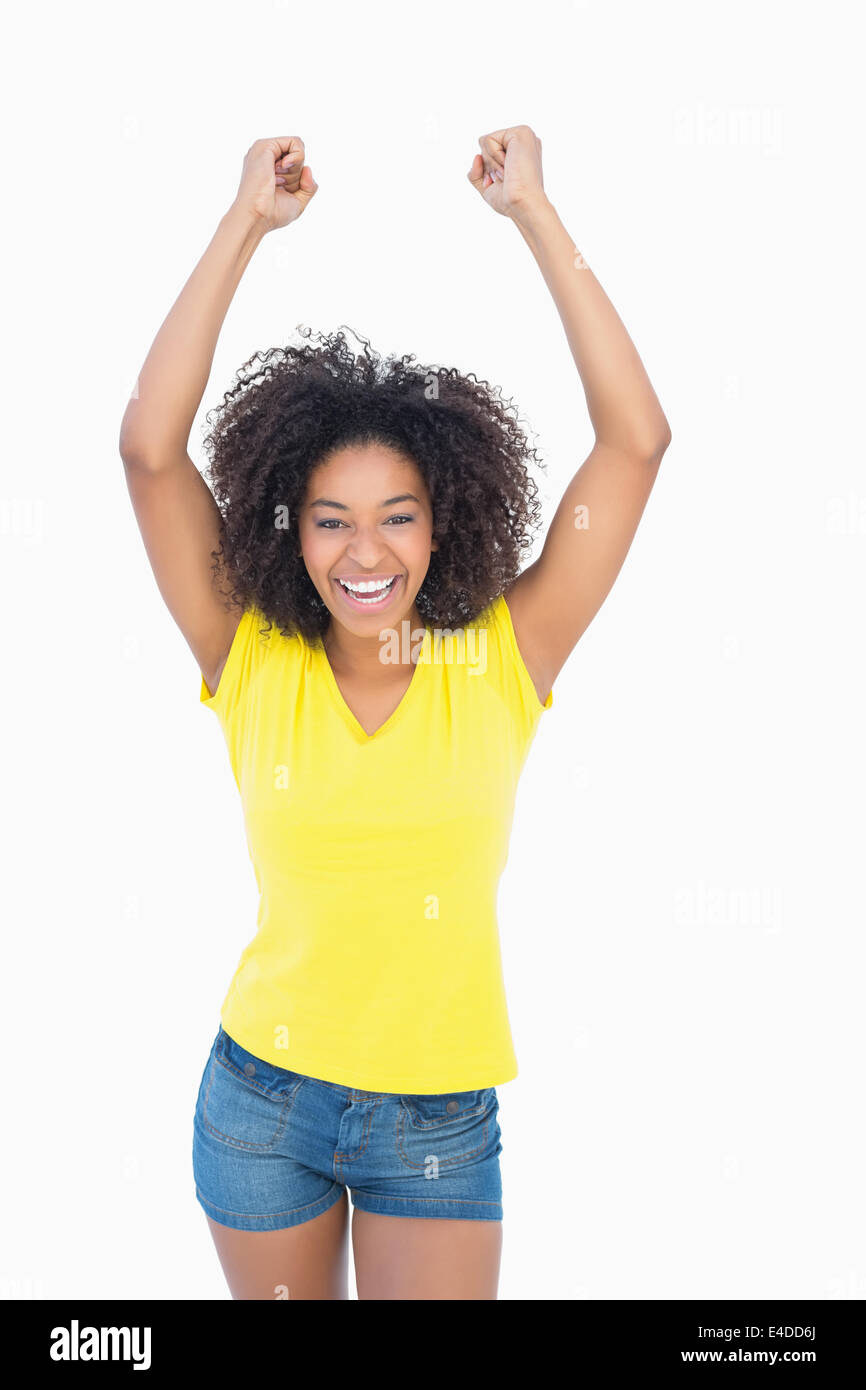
276,184
507,172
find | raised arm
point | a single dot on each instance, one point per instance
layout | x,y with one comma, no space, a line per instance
179,520
555,599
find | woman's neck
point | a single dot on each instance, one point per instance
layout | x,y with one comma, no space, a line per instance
377,657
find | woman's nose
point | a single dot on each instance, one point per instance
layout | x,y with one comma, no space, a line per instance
365,549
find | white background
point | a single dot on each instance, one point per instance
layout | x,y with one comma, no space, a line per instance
683,909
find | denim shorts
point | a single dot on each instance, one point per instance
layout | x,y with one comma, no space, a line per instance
272,1148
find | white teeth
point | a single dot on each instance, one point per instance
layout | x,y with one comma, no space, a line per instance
366,586
376,588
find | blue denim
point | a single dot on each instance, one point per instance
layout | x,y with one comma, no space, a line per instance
272,1148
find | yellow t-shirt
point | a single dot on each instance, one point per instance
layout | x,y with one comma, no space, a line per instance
376,960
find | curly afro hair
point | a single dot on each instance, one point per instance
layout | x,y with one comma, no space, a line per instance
289,408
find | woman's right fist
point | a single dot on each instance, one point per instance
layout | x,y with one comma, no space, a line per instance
276,184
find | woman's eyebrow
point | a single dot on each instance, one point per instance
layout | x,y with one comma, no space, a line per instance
389,501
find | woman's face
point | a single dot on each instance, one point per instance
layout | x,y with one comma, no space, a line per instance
366,532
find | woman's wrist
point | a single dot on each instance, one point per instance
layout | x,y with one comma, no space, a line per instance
250,226
533,215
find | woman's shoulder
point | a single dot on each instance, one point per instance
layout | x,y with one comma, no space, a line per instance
258,638
498,652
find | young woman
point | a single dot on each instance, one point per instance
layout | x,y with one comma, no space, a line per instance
353,595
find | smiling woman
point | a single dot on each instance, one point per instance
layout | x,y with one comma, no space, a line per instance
304,432
366,552
365,1028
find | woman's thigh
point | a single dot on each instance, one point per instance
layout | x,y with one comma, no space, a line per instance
426,1186
301,1262
400,1257
263,1141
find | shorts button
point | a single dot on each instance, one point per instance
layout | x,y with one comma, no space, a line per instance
250,1068
452,1107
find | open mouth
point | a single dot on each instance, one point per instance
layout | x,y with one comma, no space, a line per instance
367,593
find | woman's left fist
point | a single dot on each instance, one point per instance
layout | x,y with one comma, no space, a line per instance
507,172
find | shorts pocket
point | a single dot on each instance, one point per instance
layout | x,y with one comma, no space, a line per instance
245,1101
445,1131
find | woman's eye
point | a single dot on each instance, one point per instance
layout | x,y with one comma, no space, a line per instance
331,522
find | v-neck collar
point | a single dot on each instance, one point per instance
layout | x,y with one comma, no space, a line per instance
355,727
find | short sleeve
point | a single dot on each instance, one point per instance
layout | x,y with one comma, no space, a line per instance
244,658
508,669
